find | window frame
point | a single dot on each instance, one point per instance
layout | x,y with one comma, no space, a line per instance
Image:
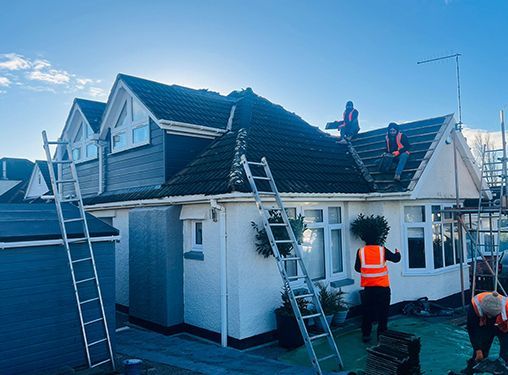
194,245
87,138
130,125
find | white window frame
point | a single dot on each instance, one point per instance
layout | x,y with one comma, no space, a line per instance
87,138
429,248
131,125
195,246
330,276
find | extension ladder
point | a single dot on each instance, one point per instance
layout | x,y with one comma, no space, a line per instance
78,264
282,261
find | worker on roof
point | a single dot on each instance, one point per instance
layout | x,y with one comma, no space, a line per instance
349,126
397,150
487,318
371,263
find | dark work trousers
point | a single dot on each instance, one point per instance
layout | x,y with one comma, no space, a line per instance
376,304
487,335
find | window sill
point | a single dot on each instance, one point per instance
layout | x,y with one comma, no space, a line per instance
341,283
439,271
129,148
195,255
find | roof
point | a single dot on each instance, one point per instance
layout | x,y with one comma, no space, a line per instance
423,136
181,104
32,222
17,170
302,158
43,167
92,111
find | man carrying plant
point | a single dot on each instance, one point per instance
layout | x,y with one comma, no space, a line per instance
371,263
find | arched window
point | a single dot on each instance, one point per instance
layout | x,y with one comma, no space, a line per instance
132,127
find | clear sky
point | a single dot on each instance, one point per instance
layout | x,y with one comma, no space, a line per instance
309,56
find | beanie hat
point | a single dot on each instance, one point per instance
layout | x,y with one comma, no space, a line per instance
393,125
491,304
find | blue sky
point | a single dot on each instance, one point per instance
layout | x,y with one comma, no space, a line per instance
310,57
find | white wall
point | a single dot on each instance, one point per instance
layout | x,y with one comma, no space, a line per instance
37,186
438,180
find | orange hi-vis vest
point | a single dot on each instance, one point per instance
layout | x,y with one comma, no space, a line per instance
374,271
398,139
344,116
501,319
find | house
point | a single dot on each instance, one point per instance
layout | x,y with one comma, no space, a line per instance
39,183
167,174
14,179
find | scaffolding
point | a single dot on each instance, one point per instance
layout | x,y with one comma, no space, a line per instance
485,224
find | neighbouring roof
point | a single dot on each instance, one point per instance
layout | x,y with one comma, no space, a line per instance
16,170
423,136
93,112
33,222
43,167
302,158
181,104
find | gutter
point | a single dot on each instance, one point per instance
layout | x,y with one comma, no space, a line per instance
176,127
246,197
223,272
18,244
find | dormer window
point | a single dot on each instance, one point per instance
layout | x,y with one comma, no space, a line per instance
84,146
132,127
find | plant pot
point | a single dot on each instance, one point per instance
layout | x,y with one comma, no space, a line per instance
288,331
340,317
317,322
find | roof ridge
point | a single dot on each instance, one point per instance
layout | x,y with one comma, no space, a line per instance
236,175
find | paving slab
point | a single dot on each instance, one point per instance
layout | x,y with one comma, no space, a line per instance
188,352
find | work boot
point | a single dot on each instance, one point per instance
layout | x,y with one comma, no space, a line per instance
397,178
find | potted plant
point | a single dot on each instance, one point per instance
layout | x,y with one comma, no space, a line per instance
288,332
263,243
328,299
342,308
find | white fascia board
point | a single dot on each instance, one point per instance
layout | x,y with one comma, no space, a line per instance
119,84
426,174
176,127
247,197
18,244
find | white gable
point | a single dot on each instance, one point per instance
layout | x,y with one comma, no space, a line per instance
37,186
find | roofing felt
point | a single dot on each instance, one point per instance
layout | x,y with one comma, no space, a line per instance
93,112
32,222
181,104
421,135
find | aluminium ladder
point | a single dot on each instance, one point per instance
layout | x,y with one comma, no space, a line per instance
264,210
92,343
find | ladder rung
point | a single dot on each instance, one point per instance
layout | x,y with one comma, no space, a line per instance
327,357
89,300
283,241
266,193
62,162
73,220
311,316
85,280
255,163
277,224
68,181
290,278
318,336
100,363
270,209
69,200
92,321
304,295
261,178
288,259
58,143
97,342
81,260
74,240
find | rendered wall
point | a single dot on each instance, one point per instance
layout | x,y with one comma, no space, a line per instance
156,265
121,222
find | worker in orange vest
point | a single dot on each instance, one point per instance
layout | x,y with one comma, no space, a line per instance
371,263
349,126
487,319
397,148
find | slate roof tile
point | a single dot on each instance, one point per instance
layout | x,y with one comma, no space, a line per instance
93,112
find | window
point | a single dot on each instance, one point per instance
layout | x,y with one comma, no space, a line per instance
431,244
84,147
132,127
197,236
322,244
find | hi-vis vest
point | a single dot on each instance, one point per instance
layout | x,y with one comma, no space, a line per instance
398,139
348,116
501,320
374,271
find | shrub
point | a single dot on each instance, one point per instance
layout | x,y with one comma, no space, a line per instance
286,308
373,230
329,298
